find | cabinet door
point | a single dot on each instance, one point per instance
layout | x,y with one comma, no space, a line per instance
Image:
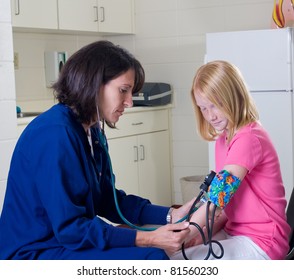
34,13
79,15
113,16
116,16
154,167
124,157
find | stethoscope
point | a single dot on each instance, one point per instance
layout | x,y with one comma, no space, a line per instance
102,140
200,199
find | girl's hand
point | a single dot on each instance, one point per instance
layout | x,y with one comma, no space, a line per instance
181,212
194,238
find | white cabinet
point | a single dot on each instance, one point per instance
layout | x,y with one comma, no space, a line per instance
34,14
140,154
109,16
105,16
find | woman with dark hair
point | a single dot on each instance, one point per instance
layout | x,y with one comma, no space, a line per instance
60,181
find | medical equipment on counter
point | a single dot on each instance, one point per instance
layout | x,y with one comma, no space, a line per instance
153,94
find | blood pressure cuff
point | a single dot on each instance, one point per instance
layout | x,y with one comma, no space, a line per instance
222,188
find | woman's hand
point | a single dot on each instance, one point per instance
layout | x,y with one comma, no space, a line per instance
169,237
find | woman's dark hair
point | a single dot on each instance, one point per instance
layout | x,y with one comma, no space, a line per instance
87,70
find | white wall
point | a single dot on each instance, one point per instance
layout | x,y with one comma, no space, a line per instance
30,76
170,43
7,96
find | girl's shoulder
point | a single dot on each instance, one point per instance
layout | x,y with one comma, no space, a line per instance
255,129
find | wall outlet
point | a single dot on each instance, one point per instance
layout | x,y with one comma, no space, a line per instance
16,60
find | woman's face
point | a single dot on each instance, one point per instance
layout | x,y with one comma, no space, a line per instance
115,96
211,113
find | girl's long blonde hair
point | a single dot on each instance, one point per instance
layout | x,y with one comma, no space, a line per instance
222,84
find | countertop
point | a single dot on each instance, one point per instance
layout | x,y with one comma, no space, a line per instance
26,120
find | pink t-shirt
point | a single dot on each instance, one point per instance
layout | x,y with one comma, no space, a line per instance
257,209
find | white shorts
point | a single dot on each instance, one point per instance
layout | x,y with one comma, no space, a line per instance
235,248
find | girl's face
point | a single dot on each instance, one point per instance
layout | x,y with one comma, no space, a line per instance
211,113
115,96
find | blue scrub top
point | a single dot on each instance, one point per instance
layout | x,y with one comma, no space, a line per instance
56,189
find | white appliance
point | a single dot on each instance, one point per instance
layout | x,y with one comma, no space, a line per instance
265,58
54,61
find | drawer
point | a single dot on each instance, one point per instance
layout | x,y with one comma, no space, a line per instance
134,123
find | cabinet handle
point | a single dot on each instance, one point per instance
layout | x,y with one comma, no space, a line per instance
95,13
137,123
142,149
102,14
17,8
135,153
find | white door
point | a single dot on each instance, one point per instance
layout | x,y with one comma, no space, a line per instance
115,16
154,167
34,13
80,15
124,157
263,56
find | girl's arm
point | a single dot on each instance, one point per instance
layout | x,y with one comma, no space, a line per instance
200,216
